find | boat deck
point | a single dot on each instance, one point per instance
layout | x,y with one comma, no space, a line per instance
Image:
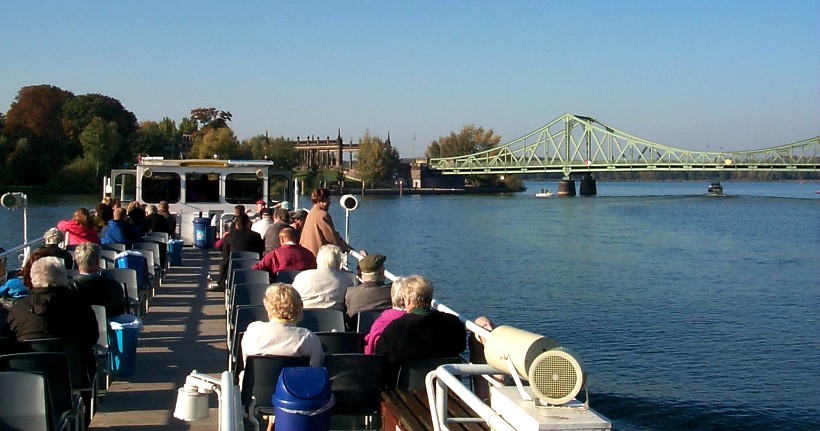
184,331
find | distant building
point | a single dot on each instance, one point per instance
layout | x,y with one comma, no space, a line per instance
325,153
417,174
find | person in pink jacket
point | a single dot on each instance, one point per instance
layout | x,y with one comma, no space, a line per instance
81,229
389,315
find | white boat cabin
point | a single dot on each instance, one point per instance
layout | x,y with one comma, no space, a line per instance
199,187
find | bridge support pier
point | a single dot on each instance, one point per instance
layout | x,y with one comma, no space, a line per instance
588,187
566,187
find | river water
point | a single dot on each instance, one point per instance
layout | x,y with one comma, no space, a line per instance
688,311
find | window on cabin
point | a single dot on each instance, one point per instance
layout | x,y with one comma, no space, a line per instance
279,188
124,187
202,188
243,188
161,186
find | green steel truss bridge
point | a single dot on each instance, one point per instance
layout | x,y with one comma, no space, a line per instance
576,145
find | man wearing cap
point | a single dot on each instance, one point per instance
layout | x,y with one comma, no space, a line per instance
297,221
53,238
372,293
261,226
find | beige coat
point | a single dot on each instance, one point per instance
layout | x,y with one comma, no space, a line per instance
319,230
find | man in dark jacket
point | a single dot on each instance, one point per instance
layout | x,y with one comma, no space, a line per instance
93,288
154,222
241,238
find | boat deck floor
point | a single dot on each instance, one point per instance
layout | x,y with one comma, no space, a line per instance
184,331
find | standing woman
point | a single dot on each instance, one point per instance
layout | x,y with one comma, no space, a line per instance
80,229
318,229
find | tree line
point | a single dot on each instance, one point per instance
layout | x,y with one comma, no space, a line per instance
53,138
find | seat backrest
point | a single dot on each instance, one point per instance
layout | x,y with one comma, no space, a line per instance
162,236
286,276
245,315
77,361
261,375
114,246
102,325
244,255
108,258
54,366
29,408
235,265
323,320
341,342
412,373
126,276
150,251
250,276
162,248
365,319
246,294
357,380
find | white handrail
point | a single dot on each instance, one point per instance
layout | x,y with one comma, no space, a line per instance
442,379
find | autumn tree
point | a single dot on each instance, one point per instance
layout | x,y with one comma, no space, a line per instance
36,116
80,111
376,160
221,143
470,140
207,119
279,150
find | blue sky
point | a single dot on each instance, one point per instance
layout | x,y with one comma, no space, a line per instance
714,74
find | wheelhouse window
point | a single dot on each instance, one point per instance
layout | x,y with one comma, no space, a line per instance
161,186
279,188
202,187
243,188
124,186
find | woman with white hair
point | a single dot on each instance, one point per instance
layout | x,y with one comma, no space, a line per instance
389,315
280,335
51,310
325,286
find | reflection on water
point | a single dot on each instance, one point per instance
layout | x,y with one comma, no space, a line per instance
689,311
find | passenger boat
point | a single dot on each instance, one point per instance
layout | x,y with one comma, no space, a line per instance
185,324
544,193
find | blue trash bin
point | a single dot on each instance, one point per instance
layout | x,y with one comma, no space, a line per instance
303,399
203,233
175,252
122,344
136,261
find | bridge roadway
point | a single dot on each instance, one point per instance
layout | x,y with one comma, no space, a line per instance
184,330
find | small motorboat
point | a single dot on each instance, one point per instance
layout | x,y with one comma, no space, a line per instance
544,193
715,188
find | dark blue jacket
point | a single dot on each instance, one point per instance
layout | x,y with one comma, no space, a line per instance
119,231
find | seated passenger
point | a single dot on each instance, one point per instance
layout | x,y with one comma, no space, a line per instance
52,310
289,256
53,239
389,315
154,222
325,286
271,235
372,293
120,230
280,336
423,332
19,286
80,229
241,238
93,288
263,223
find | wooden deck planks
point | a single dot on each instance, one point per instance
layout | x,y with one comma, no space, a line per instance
184,331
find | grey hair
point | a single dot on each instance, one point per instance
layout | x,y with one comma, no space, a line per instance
329,256
48,271
418,289
87,255
151,209
397,291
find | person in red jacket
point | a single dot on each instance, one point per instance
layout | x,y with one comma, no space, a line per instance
80,229
289,256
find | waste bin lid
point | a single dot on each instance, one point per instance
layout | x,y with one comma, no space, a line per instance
202,220
302,388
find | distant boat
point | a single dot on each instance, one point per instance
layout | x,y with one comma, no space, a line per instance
544,193
715,188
